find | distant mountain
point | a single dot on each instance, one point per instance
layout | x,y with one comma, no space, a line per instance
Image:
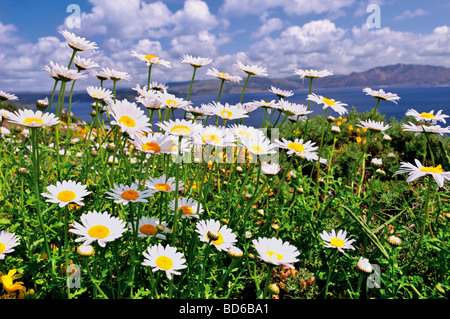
391,75
383,76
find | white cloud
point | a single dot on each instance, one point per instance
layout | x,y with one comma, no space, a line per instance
268,26
408,14
290,7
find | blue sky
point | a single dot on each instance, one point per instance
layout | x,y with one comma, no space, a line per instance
281,35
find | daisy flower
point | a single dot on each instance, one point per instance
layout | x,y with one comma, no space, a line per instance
240,131
258,145
99,227
195,62
364,265
51,69
166,259
30,118
293,109
270,169
179,127
7,96
225,237
373,125
213,135
312,73
148,227
168,100
125,194
42,104
84,64
335,105
102,75
281,94
116,75
265,104
85,250
252,69
275,251
150,101
298,147
380,94
99,94
66,192
78,43
150,59
224,76
226,111
339,240
197,110
154,144
129,117
189,207
7,242
427,116
418,128
65,74
418,170
4,114
163,184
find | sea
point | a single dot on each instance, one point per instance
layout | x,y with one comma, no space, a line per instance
422,99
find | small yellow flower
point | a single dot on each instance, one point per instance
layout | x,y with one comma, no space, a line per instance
350,128
9,285
338,123
358,139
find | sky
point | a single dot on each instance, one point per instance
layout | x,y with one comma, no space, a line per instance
342,36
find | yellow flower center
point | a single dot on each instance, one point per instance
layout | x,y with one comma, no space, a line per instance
2,247
127,121
148,229
219,241
224,75
130,194
427,115
438,169
244,133
171,103
180,129
336,242
257,149
162,187
328,101
152,147
226,114
31,120
296,147
164,262
99,231
66,196
149,57
208,138
271,253
186,210
98,95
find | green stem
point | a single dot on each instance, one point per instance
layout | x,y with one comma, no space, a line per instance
269,275
149,76
424,224
192,82
245,86
330,270
36,171
220,90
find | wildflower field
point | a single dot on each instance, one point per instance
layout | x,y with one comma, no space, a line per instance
338,205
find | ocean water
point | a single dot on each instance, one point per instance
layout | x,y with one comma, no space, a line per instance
422,99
